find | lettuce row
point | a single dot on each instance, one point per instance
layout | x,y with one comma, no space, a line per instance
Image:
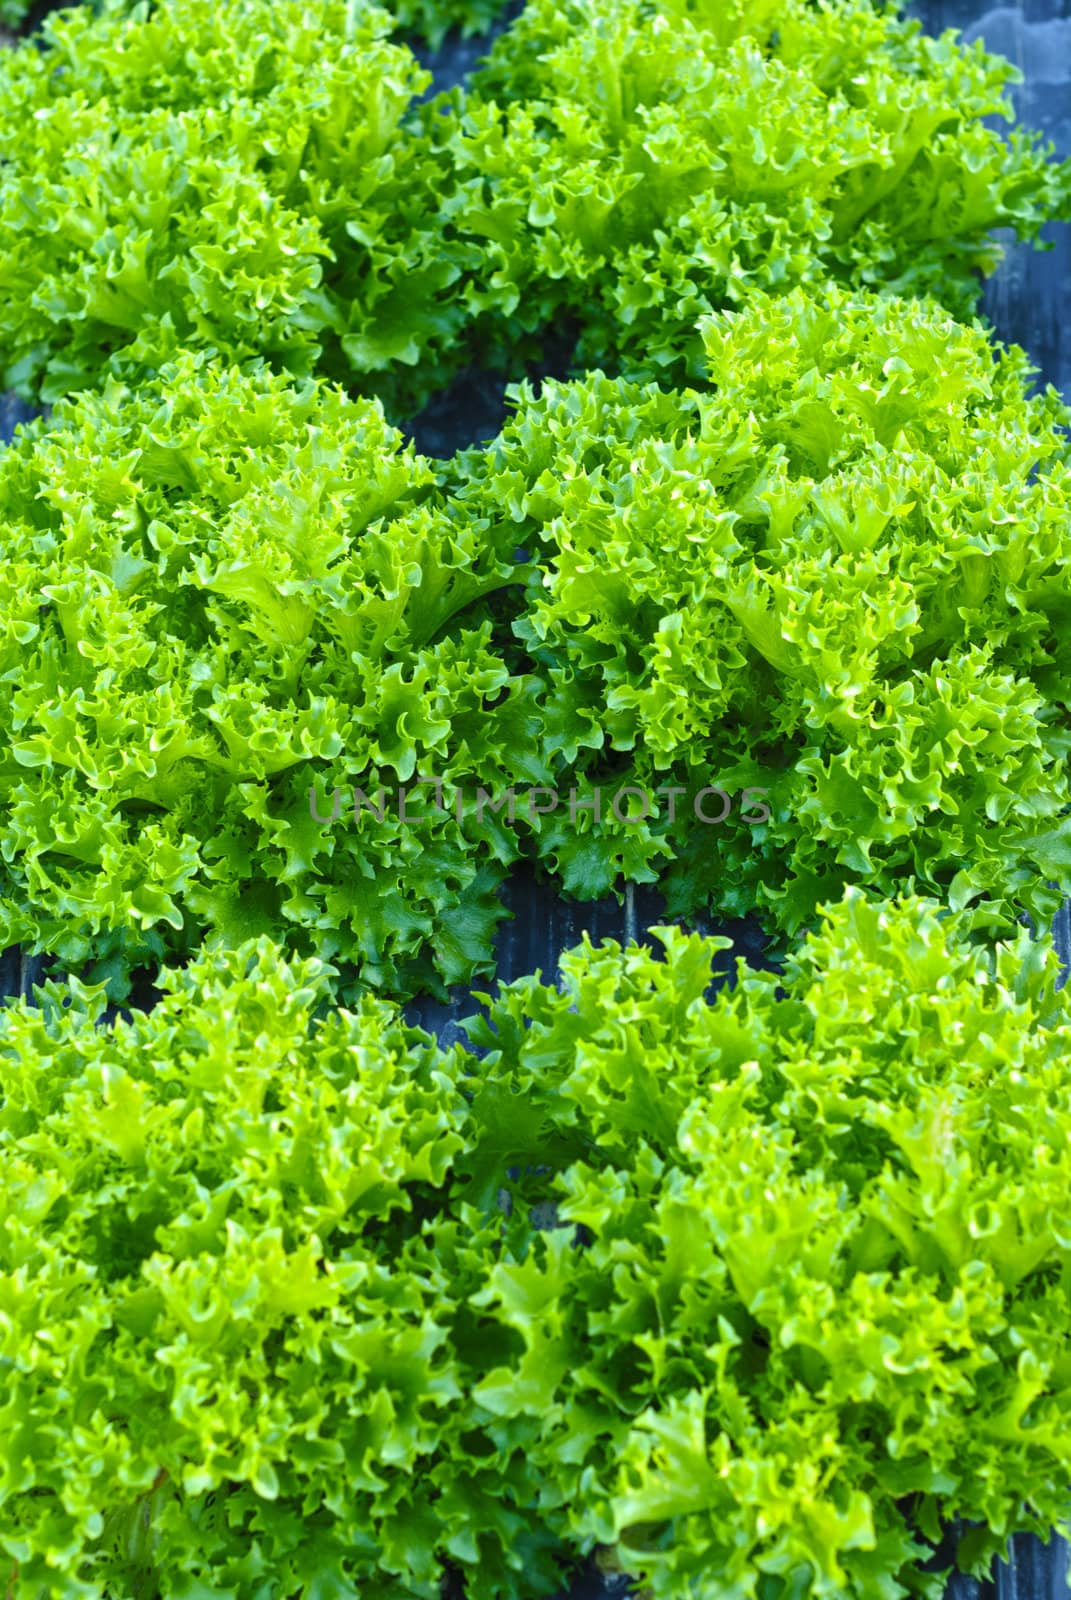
753,1292
638,165
237,618
257,180
837,572
221,591
429,20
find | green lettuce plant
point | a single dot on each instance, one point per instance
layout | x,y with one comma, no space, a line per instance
227,604
232,177
822,1306
235,1348
835,573
636,165
752,1293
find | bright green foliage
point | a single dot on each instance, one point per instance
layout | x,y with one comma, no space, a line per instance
836,574
218,591
246,177
824,1307
287,1310
426,19
222,174
235,1349
639,164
